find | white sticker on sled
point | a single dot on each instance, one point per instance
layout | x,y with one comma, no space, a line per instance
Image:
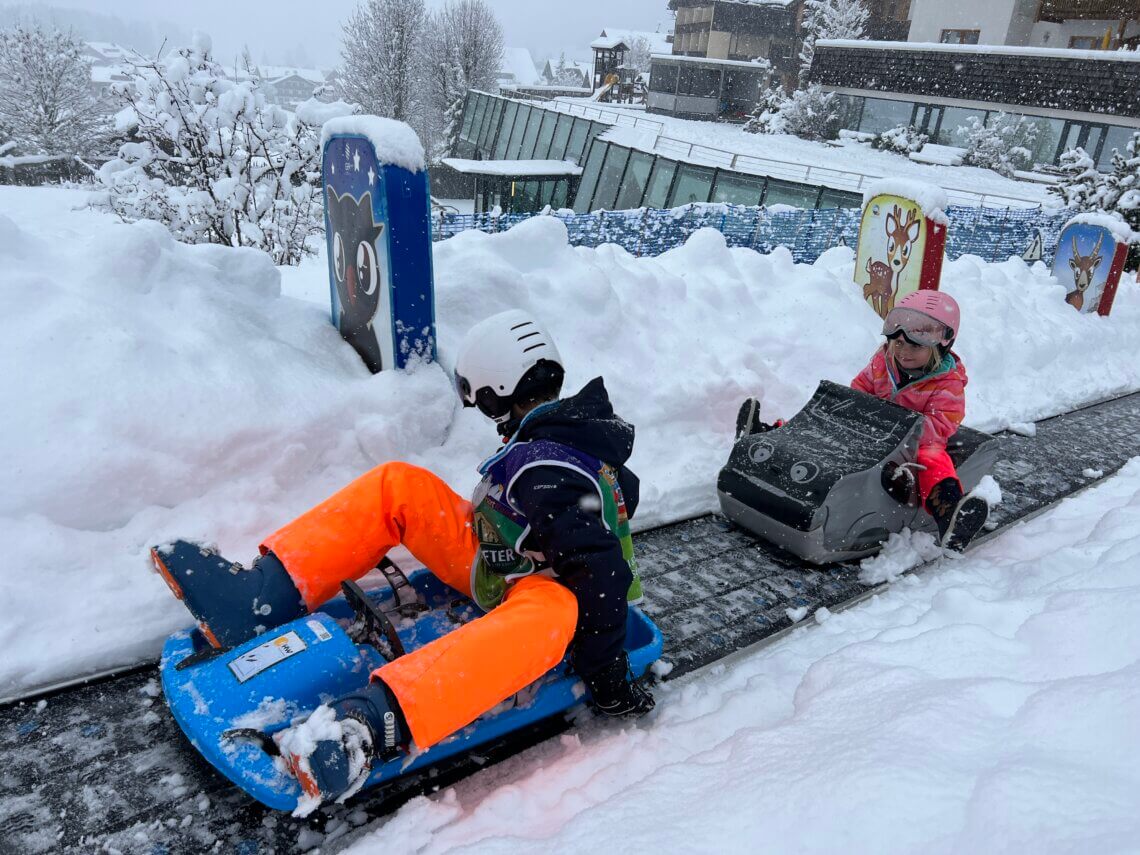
319,630
266,655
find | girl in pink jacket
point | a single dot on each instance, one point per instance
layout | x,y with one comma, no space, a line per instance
917,369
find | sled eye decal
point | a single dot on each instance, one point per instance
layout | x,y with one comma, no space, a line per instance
803,471
338,257
366,273
760,452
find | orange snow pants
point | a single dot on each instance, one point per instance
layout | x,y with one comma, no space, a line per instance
451,681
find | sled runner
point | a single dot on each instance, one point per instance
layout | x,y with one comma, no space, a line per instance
821,485
230,703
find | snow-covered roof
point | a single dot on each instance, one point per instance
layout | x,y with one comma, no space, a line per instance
610,37
280,72
518,67
1065,53
527,168
756,65
109,53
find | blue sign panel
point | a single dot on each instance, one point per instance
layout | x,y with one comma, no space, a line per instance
378,237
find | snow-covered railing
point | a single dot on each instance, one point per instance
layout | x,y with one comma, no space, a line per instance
994,234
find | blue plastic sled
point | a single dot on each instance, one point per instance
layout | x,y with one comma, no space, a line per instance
287,672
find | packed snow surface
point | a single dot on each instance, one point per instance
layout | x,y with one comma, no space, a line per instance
990,705
156,390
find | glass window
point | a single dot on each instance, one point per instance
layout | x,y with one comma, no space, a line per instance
954,118
561,137
531,136
561,191
636,177
1116,138
839,199
1084,42
577,145
692,185
510,111
787,193
663,78
960,37
589,179
1048,137
468,114
524,197
610,180
487,134
517,132
657,193
545,132
703,82
738,189
479,111
881,114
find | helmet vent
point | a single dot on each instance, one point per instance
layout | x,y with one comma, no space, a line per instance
529,335
523,324
534,347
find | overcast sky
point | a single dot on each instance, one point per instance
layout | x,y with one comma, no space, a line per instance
307,32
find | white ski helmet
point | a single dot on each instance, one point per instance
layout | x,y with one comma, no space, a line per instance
506,358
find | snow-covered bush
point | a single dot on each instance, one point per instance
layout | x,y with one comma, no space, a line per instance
1084,188
212,160
903,140
809,113
1004,145
46,103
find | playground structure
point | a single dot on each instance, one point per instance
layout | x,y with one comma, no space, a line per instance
622,85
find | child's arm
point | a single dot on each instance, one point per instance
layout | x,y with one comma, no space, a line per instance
864,381
944,411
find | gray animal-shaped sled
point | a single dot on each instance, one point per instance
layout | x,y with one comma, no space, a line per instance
818,485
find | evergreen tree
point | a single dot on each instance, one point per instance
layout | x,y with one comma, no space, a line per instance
1005,145
829,19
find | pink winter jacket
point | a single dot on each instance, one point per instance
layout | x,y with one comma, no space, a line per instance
940,396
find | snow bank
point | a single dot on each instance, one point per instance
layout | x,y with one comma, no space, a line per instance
170,391
990,706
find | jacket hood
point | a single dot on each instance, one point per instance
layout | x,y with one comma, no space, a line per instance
585,421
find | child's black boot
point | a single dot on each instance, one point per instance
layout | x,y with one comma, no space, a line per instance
959,517
616,693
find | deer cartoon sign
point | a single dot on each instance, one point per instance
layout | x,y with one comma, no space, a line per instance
902,235
1089,260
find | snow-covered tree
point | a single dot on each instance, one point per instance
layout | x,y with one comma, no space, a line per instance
462,49
566,75
381,50
1084,188
46,101
829,19
765,117
640,51
214,161
1005,145
902,139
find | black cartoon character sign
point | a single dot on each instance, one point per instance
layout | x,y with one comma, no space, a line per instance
360,277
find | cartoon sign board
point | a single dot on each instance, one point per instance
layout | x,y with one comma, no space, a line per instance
899,251
378,238
1089,261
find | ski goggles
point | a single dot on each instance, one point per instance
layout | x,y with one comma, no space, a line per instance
916,328
491,405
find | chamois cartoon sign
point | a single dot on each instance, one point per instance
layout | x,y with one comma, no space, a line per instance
378,238
1088,262
899,251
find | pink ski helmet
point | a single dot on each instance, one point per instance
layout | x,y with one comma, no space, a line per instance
926,317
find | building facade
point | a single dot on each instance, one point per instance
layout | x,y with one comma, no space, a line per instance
1089,99
1077,24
